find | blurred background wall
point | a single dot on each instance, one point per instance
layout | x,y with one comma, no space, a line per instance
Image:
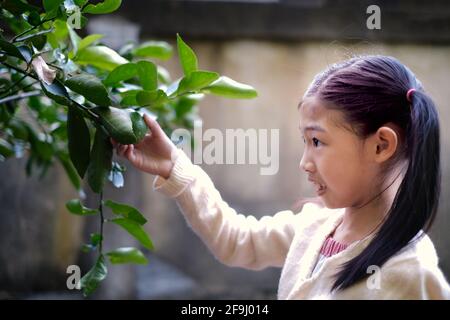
275,46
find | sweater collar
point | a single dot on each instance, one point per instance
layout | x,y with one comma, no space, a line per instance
332,263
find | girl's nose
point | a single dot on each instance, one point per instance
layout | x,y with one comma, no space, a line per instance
306,165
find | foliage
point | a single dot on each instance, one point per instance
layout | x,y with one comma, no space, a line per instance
62,97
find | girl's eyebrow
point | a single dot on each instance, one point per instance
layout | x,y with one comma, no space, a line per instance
313,128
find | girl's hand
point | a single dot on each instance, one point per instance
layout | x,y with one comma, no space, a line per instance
153,154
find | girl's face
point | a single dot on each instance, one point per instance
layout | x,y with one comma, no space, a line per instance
336,160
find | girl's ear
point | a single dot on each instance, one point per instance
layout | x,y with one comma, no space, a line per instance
385,142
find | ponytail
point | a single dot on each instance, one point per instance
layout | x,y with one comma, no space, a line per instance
416,202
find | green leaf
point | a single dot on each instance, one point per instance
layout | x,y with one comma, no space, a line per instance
188,59
11,49
121,73
90,39
6,149
100,163
75,207
154,49
151,98
18,7
90,281
129,97
58,13
96,238
34,18
56,91
87,248
127,255
196,80
59,34
26,52
106,6
139,126
90,87
74,38
79,140
148,75
185,104
136,230
125,126
5,83
80,3
42,150
50,5
126,211
70,170
229,88
19,129
101,57
39,41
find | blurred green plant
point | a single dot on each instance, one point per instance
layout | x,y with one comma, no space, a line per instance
62,97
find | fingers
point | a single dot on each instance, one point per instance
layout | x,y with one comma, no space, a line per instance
153,126
129,154
121,149
124,150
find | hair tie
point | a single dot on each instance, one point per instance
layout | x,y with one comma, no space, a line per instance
409,93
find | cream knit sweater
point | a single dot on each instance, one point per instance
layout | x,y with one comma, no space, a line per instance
293,241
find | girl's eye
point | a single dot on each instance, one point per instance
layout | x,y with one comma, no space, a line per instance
316,141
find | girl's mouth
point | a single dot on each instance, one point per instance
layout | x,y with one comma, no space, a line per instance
320,188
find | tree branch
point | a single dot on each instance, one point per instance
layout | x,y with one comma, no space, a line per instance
93,115
13,85
102,220
20,96
34,35
16,38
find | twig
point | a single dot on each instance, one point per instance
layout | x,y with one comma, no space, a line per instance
19,70
15,38
34,35
20,96
24,88
93,115
55,66
102,220
14,84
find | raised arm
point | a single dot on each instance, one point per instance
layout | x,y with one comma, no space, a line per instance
235,239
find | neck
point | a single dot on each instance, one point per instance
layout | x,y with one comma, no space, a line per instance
360,221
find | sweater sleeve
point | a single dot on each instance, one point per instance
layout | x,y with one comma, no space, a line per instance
233,238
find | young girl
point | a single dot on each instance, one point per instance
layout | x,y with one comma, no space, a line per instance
372,150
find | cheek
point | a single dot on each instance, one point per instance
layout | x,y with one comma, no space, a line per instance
338,169
344,179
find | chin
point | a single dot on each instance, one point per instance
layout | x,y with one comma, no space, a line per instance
331,204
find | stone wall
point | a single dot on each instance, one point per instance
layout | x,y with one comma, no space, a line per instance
38,238
281,73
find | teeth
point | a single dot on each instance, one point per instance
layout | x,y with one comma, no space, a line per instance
319,187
